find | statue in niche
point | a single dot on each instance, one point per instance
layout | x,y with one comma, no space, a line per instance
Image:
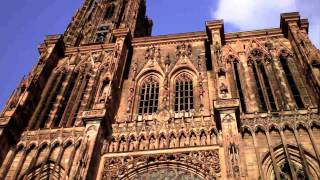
203,139
193,140
183,140
152,144
162,142
220,137
199,62
234,159
130,98
104,147
172,142
134,70
112,147
105,90
142,144
132,144
223,90
217,50
213,139
122,146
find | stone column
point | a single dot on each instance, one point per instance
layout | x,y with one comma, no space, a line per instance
257,155
43,99
86,159
289,102
302,155
7,163
41,120
234,159
287,154
65,85
273,159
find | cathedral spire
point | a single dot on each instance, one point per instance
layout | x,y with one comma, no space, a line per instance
96,19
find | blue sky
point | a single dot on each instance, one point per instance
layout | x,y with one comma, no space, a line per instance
24,24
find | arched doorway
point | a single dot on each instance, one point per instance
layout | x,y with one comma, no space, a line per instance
166,171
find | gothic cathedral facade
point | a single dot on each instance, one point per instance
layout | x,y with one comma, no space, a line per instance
106,100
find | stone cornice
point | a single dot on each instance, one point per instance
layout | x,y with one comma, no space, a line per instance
169,39
89,48
264,33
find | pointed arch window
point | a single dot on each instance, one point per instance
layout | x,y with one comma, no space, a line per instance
268,86
149,95
238,83
109,12
263,106
184,93
291,82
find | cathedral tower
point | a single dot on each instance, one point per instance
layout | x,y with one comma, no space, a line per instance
107,100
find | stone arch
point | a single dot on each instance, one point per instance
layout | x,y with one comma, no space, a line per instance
45,171
183,139
203,137
132,143
193,138
113,145
142,145
162,140
122,143
295,158
143,76
175,72
152,141
213,136
172,139
168,169
67,142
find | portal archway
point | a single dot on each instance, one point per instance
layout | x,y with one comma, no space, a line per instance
166,171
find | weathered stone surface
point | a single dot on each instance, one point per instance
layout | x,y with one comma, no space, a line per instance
108,101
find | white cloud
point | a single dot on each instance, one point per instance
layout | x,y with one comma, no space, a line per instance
257,14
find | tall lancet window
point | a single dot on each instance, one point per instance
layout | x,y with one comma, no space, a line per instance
255,57
149,95
291,82
184,93
235,64
267,84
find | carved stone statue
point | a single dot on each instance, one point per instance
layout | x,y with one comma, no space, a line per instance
182,140
105,90
130,98
132,144
134,69
172,142
122,146
193,140
223,89
162,142
112,147
217,50
142,144
213,139
203,139
152,144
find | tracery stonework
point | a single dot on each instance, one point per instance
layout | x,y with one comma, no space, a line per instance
109,101
200,164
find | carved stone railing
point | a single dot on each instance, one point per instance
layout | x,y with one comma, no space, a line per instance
280,119
52,135
176,133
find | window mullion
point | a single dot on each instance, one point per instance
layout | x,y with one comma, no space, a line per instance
144,98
